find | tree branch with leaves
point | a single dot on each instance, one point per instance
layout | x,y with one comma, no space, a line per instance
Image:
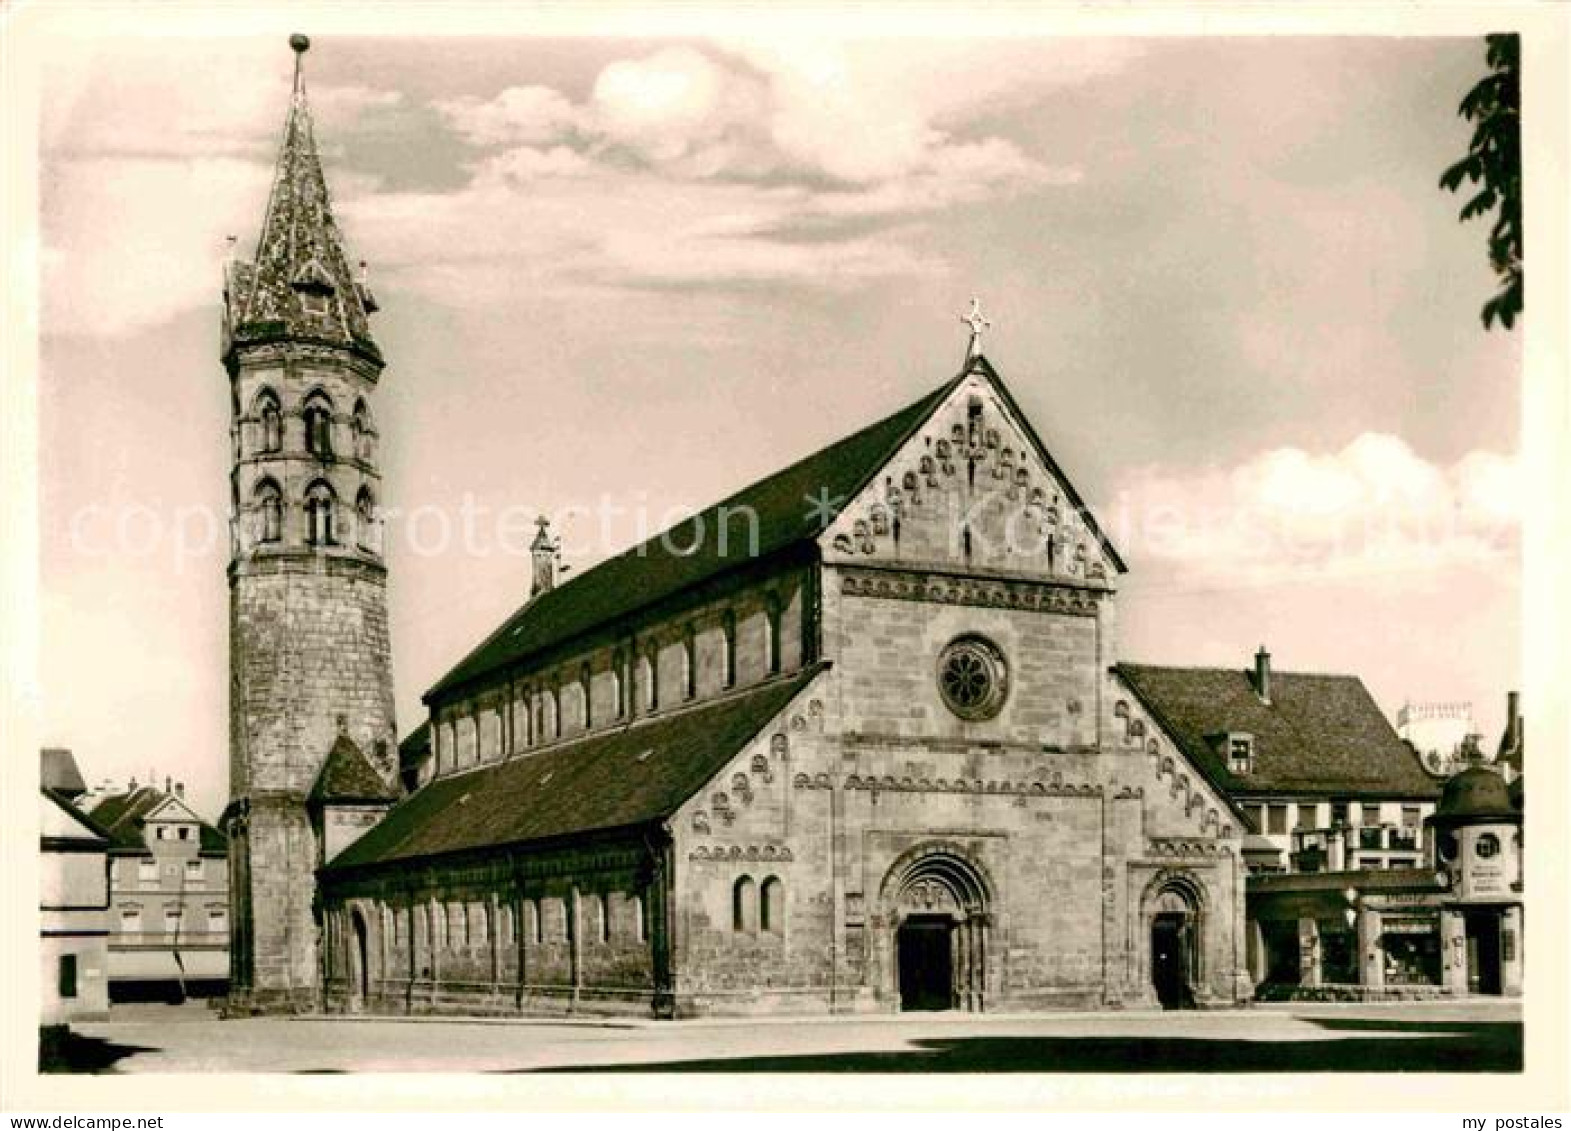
1494,164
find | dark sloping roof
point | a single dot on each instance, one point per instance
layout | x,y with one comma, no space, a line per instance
60,773
608,780
702,547
124,815
348,775
1320,734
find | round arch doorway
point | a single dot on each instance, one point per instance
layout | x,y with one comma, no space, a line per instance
937,905
1174,916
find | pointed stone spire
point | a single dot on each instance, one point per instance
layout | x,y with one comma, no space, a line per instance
301,284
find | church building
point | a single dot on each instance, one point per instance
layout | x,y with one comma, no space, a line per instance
851,740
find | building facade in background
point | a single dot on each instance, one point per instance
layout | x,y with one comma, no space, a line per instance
169,888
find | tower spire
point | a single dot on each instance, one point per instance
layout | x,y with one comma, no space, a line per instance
301,284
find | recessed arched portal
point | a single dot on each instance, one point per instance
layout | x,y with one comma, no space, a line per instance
936,903
1173,917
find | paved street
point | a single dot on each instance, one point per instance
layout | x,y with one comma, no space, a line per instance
1479,1036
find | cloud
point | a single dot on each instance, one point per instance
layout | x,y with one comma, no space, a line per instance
805,164
1373,507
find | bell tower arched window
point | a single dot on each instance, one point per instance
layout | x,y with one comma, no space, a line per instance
271,421
364,434
365,518
269,505
319,506
318,417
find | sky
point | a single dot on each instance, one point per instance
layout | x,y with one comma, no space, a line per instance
1221,278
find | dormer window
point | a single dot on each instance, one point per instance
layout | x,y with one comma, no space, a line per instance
315,287
1240,753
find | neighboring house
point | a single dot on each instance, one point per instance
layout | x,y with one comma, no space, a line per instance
1452,927
169,883
1325,780
73,899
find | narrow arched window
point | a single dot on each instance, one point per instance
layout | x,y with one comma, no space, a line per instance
365,518
689,664
728,642
603,914
640,924
271,419
364,434
319,505
619,683
318,417
744,906
772,633
269,503
584,689
652,678
771,905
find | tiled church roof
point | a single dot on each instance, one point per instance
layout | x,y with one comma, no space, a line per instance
655,570
301,250
605,780
691,552
1320,734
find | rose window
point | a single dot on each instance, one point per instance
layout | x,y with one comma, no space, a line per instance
972,678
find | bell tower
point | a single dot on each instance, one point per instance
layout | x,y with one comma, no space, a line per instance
309,657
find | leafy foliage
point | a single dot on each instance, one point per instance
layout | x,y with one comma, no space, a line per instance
1494,164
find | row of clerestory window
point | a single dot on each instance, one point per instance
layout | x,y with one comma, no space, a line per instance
317,415
320,508
543,711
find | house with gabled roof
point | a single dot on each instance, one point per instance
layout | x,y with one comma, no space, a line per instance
1325,779
169,894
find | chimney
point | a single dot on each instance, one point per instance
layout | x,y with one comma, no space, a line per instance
180,789
543,550
1514,716
1262,679
168,784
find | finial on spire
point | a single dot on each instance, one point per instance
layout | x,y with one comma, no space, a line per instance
977,323
300,45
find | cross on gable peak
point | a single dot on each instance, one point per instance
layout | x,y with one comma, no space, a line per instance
978,323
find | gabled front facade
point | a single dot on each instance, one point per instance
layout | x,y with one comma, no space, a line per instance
848,741
169,892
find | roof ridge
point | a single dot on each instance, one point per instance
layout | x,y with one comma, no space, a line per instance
1244,670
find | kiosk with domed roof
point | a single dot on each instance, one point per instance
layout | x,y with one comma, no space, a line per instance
1476,840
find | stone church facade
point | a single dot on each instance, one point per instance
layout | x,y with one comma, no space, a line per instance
851,740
